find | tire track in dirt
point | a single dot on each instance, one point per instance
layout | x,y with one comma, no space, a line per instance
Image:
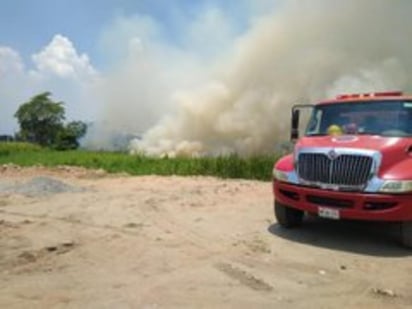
244,277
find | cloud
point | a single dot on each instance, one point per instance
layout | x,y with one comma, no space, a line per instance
12,80
58,68
10,62
60,58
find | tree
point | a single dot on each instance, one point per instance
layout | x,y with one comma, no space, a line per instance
41,121
68,137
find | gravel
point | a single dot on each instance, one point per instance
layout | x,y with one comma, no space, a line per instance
39,186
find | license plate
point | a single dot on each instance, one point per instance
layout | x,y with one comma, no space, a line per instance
329,213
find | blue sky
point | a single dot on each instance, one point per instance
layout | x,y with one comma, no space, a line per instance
27,26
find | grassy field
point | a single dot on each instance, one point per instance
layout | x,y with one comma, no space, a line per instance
24,154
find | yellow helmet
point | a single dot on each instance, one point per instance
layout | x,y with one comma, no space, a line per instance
335,130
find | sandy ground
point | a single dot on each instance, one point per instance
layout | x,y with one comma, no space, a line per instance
195,242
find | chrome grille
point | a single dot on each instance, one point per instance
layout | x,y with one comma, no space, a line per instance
345,170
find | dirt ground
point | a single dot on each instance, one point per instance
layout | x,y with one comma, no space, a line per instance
83,239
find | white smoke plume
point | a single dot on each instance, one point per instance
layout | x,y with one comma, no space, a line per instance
236,96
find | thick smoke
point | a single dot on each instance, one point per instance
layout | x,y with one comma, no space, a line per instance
239,100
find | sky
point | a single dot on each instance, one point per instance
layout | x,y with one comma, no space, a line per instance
197,77
28,26
67,46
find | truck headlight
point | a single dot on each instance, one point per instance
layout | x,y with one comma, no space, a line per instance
396,186
280,175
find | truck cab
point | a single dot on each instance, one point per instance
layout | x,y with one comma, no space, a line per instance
354,161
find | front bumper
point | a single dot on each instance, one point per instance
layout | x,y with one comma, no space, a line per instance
352,205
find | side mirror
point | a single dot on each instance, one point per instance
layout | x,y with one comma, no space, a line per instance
294,134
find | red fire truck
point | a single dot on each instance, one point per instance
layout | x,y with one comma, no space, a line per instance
354,161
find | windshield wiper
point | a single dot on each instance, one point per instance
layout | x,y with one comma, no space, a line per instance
317,134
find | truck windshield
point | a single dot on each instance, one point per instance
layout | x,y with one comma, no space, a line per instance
385,118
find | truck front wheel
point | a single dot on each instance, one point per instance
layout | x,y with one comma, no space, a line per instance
288,217
406,233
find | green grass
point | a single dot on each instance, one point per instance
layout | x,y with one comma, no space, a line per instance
259,168
10,148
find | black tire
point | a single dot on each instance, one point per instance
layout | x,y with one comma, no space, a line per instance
406,234
288,217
